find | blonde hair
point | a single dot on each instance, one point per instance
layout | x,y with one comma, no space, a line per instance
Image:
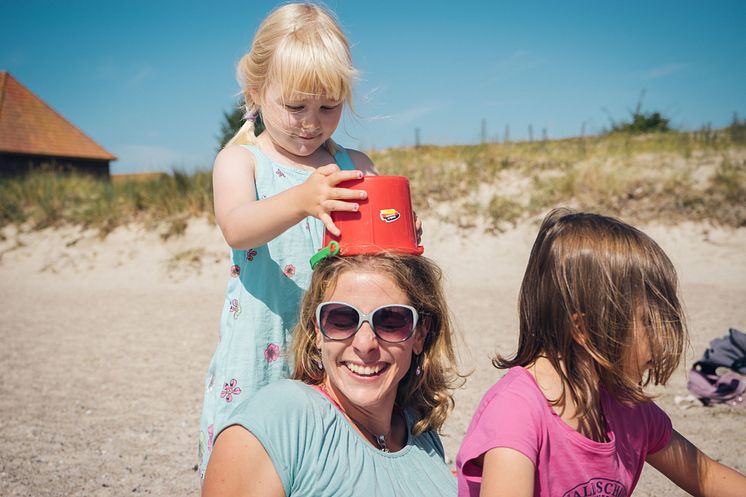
588,279
428,395
301,49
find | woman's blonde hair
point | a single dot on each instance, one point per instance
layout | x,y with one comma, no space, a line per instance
428,394
590,280
300,49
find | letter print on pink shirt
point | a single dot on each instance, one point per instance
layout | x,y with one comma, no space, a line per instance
598,487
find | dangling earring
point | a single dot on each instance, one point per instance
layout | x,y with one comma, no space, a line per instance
417,371
319,364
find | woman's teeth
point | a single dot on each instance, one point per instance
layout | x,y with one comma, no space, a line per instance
363,370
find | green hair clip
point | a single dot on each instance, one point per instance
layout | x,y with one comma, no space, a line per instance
328,251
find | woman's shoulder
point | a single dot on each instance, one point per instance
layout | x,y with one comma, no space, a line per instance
285,392
428,440
282,405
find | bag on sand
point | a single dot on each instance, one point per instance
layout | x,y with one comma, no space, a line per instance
719,377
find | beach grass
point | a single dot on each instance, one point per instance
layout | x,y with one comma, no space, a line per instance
670,177
43,199
666,177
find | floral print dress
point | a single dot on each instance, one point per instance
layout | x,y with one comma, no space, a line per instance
261,306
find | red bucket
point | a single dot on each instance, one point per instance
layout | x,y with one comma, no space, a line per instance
384,222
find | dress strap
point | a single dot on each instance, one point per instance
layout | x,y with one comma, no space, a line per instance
262,161
343,159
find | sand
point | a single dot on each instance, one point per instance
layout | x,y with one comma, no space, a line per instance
104,344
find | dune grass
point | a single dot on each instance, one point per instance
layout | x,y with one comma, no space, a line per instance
669,177
43,199
665,177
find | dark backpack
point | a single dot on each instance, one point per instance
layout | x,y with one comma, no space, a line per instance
719,377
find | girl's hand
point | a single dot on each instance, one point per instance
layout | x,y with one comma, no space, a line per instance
321,196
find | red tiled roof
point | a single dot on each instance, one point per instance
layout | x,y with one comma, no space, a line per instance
29,126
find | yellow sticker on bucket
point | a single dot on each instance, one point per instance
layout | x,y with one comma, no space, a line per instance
389,215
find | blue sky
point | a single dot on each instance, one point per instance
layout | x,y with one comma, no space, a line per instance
149,80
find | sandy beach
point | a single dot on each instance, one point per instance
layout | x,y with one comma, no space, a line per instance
104,344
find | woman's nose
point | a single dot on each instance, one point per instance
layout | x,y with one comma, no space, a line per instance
365,340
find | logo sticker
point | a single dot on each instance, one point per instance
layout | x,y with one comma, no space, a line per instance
389,215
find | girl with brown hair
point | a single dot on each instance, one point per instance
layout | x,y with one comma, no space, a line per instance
600,319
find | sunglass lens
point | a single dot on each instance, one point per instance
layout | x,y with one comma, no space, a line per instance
338,321
393,323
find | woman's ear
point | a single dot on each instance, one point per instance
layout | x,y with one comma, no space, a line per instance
423,328
318,338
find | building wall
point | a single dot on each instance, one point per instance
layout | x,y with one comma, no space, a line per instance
16,165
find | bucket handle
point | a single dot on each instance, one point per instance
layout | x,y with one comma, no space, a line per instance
331,249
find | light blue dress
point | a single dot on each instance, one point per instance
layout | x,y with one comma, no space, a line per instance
261,306
316,452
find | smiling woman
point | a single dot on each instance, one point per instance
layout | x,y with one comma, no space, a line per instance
374,367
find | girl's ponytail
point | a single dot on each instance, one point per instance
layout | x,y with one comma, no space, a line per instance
244,136
249,130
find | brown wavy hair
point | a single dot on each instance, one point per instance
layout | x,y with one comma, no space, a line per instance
428,395
589,278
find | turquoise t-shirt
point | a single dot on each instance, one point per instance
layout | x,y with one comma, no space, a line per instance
316,452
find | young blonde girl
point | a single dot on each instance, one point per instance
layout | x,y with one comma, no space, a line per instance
275,187
599,319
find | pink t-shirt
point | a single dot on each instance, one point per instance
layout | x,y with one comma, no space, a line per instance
515,414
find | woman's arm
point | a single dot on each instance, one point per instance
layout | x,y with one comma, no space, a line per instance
240,467
693,471
246,222
507,473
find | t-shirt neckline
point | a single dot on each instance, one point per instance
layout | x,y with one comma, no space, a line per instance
339,414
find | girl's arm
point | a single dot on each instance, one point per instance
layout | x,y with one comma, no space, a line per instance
692,470
246,222
240,467
506,473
